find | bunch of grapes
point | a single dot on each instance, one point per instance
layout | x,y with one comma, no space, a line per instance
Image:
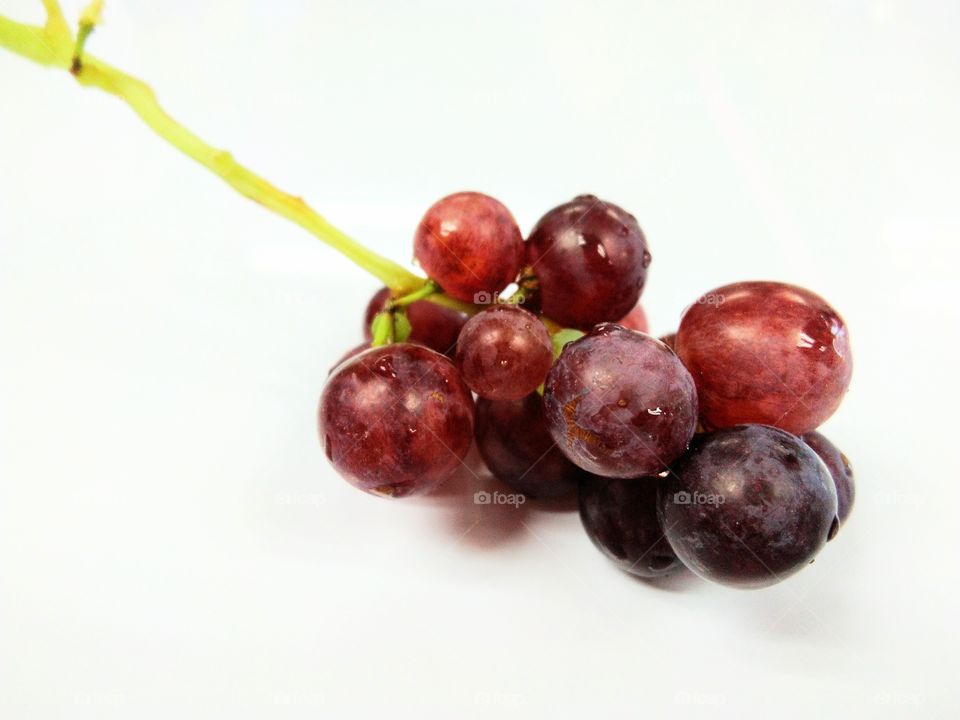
697,449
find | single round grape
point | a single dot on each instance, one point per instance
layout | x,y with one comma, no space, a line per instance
748,506
840,469
470,244
619,403
396,420
620,517
636,319
513,440
590,258
765,352
504,352
431,324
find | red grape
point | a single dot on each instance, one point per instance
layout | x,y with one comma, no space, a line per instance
840,470
431,324
590,258
620,517
504,352
470,244
765,352
748,506
396,419
620,403
352,352
636,319
513,439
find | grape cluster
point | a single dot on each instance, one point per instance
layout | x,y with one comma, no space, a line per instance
694,450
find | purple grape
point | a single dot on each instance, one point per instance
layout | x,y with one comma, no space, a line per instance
590,258
840,470
748,506
619,403
431,324
620,517
513,439
396,420
504,353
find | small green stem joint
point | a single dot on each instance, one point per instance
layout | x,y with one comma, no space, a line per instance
89,19
83,33
429,288
390,326
561,338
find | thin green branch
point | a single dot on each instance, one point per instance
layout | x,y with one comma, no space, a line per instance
56,24
53,46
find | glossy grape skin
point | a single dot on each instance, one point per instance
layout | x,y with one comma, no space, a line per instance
396,420
778,509
765,352
432,325
620,517
619,403
504,353
840,469
591,259
470,244
636,319
516,446
352,352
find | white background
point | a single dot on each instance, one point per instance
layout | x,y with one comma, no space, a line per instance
173,542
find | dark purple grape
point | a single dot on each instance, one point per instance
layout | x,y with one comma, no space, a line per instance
636,319
748,506
431,324
765,352
513,439
504,353
620,403
840,470
470,244
396,420
620,516
591,259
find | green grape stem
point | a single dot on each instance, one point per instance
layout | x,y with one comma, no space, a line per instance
53,45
